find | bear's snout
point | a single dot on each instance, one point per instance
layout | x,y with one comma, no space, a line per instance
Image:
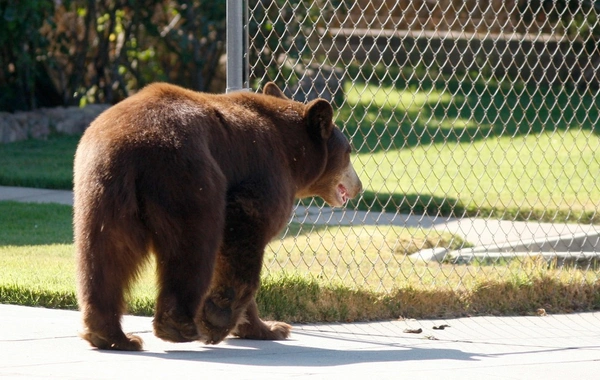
351,182
348,187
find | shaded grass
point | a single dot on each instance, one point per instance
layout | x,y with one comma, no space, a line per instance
44,164
34,223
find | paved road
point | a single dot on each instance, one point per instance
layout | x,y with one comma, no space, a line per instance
42,344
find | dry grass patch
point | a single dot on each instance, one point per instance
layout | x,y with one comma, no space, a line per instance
355,256
305,299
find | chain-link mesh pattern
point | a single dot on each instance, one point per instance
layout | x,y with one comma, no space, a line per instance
474,128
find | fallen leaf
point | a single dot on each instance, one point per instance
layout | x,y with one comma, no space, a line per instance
440,327
413,331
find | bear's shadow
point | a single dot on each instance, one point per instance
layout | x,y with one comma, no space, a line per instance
272,353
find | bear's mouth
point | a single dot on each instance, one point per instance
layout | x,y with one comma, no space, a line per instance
342,194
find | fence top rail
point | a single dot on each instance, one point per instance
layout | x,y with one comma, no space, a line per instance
447,34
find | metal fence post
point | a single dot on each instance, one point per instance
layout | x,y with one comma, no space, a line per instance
235,45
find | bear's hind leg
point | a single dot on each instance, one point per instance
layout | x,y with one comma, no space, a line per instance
183,202
185,263
117,341
183,283
103,279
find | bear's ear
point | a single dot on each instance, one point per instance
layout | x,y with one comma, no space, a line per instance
319,116
272,90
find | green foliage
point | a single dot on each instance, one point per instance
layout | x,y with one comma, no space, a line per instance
21,42
577,19
87,51
181,42
281,32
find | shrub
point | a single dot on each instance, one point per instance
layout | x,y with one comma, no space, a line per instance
99,51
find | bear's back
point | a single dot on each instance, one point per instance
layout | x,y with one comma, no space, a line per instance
165,114
164,121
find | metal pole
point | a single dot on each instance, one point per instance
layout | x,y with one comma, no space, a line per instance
246,52
235,45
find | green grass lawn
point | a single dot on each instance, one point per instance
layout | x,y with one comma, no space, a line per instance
46,164
35,224
36,240
312,274
474,149
450,147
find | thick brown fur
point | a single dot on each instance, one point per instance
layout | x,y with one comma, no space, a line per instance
203,182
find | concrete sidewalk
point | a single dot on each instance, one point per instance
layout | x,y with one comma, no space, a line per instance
486,235
40,343
26,194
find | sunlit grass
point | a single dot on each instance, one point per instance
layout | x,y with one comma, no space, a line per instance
411,100
426,143
44,275
375,257
528,173
314,273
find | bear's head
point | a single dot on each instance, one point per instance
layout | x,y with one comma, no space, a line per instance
338,182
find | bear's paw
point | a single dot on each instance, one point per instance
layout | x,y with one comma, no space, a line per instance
128,342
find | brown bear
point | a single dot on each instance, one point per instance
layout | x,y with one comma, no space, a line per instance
203,182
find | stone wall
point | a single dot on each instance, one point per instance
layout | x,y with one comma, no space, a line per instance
39,124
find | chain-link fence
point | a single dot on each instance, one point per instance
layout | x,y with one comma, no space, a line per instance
474,125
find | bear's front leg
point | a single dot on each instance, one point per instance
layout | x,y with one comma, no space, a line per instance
253,217
236,279
252,327
222,310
